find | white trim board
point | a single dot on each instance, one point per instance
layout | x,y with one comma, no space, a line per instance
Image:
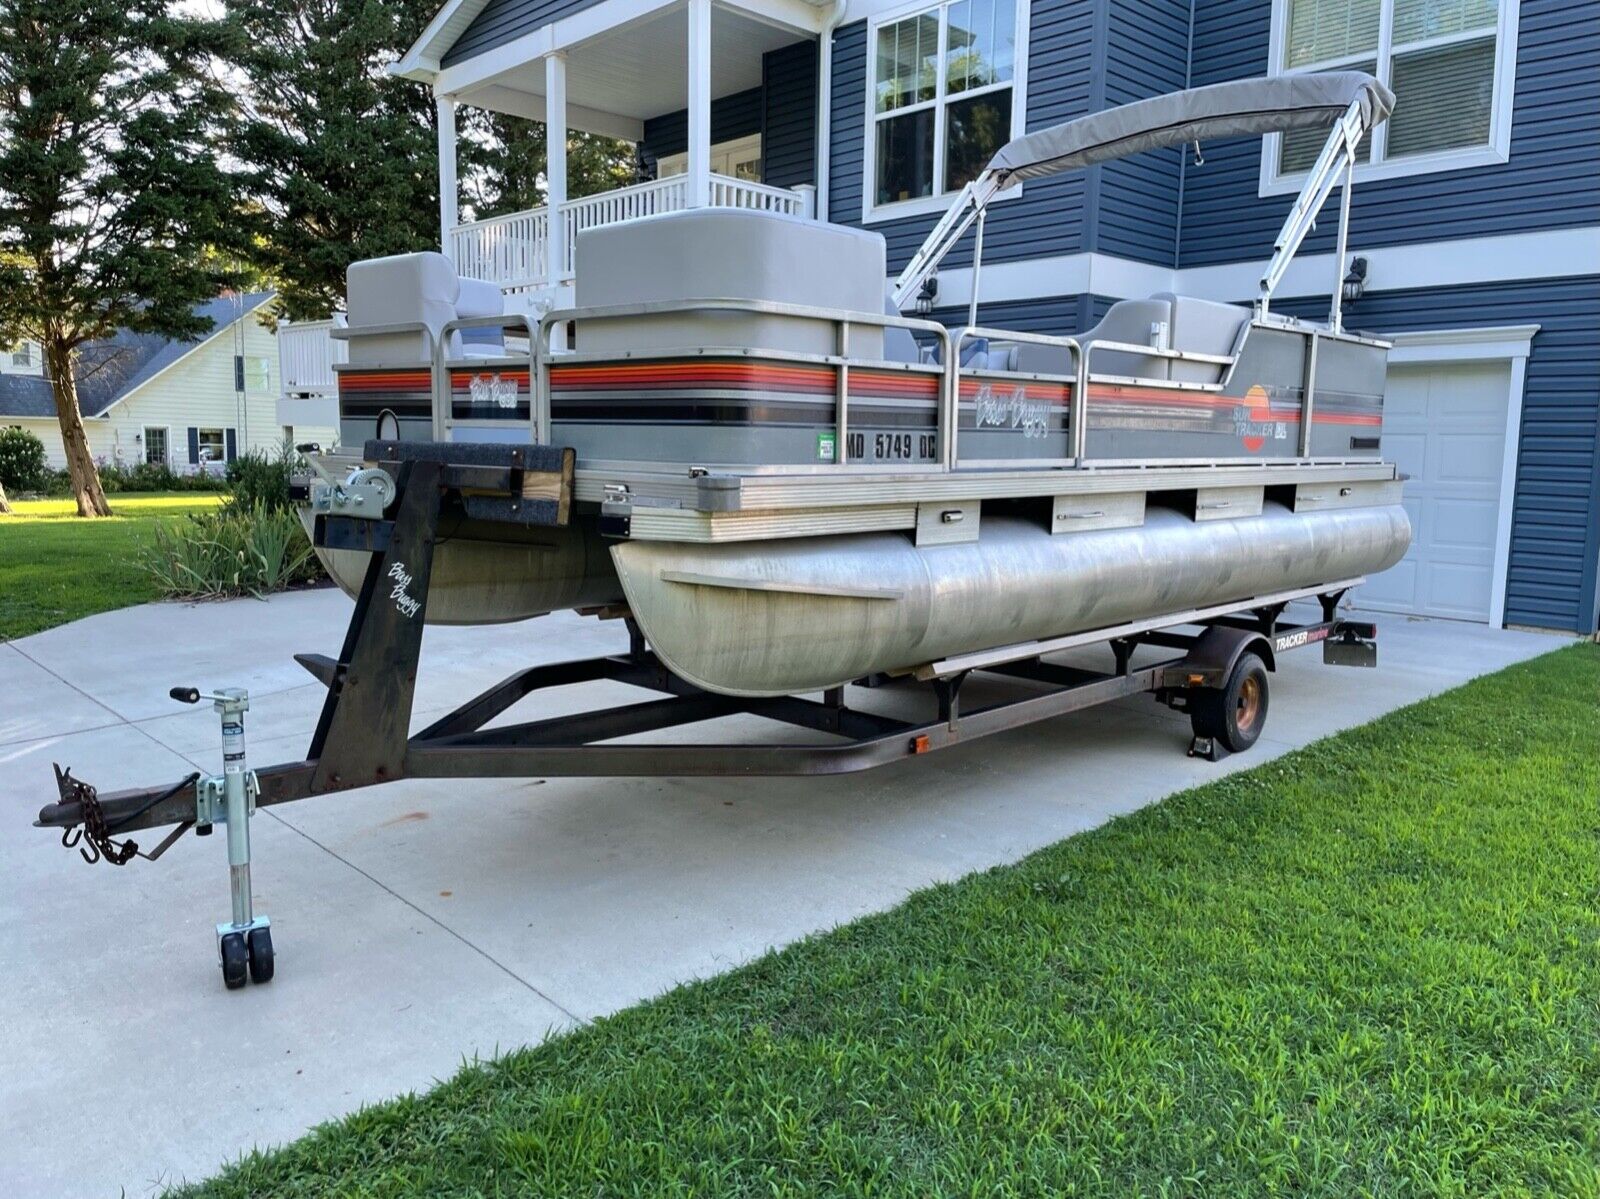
1550,254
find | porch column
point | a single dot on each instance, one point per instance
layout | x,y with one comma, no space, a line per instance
449,198
699,103
555,164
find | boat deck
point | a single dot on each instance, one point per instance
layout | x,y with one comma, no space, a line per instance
704,504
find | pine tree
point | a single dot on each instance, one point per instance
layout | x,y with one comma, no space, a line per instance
503,158
341,157
112,203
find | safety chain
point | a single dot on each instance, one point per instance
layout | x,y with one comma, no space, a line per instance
91,836
93,829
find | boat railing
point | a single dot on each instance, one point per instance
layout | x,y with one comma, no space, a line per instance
841,360
1146,351
1074,382
444,418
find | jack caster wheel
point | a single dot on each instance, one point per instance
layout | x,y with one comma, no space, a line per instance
235,960
1234,714
261,955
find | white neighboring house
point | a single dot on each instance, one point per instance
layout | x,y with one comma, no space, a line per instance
146,398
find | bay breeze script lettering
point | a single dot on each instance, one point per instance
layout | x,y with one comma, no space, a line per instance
406,603
493,389
1014,411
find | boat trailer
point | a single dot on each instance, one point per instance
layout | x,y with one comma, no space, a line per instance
362,738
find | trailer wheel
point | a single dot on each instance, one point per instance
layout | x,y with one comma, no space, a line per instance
1236,713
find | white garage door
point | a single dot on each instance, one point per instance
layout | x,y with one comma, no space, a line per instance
1445,426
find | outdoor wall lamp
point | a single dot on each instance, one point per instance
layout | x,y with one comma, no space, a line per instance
928,293
1355,283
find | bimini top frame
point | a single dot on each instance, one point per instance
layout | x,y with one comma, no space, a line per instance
1353,102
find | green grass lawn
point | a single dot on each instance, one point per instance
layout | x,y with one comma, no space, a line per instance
55,567
1366,968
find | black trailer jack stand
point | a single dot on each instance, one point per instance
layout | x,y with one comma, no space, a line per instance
363,736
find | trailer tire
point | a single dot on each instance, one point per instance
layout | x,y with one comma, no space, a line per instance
1233,714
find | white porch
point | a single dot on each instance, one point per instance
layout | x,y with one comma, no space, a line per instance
515,250
604,70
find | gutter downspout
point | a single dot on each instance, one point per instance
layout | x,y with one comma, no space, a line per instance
825,103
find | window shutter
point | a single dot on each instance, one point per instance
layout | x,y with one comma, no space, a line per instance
194,446
233,444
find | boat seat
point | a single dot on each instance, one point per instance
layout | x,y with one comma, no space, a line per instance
729,253
1202,327
412,289
1134,322
479,297
402,289
898,343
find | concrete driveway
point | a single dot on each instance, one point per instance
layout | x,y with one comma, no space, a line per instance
423,923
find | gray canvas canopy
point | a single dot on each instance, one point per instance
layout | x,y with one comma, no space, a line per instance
1239,109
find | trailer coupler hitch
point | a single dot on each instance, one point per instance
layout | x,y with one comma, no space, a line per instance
92,837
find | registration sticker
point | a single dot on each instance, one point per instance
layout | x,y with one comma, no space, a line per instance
827,447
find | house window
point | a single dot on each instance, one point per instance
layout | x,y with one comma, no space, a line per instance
23,355
155,446
257,373
737,159
1450,63
213,445
942,96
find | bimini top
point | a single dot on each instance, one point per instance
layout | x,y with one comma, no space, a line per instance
1238,109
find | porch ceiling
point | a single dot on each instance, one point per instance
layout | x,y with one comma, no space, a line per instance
619,77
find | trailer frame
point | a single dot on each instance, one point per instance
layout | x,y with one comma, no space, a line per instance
363,737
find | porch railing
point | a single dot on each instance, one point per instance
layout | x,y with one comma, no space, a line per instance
306,355
513,250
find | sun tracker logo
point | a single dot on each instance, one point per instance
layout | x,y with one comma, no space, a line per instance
1250,423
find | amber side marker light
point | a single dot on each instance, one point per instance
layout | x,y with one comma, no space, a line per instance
919,745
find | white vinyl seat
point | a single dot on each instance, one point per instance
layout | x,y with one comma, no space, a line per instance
418,289
1203,327
730,253
479,298
1133,322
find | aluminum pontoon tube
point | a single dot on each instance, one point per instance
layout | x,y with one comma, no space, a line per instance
783,617
497,573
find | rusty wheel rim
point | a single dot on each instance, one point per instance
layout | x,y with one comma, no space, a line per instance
1249,705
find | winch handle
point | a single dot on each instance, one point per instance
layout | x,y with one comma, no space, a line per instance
185,695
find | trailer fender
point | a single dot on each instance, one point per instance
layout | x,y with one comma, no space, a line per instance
1219,648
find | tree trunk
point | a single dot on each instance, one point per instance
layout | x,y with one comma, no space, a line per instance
80,463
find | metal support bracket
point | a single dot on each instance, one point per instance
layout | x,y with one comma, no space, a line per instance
211,799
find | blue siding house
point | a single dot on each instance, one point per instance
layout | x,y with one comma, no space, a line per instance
1475,234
